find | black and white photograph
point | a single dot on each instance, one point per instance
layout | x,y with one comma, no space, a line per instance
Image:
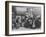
26,18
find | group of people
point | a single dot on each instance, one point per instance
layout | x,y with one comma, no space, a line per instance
27,21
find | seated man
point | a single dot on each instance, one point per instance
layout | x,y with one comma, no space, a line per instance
28,21
38,22
18,22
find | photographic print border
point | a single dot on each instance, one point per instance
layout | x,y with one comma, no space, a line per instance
7,17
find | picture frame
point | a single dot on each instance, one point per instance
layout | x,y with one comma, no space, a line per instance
18,10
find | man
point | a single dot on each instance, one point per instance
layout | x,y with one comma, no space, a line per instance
38,21
28,21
